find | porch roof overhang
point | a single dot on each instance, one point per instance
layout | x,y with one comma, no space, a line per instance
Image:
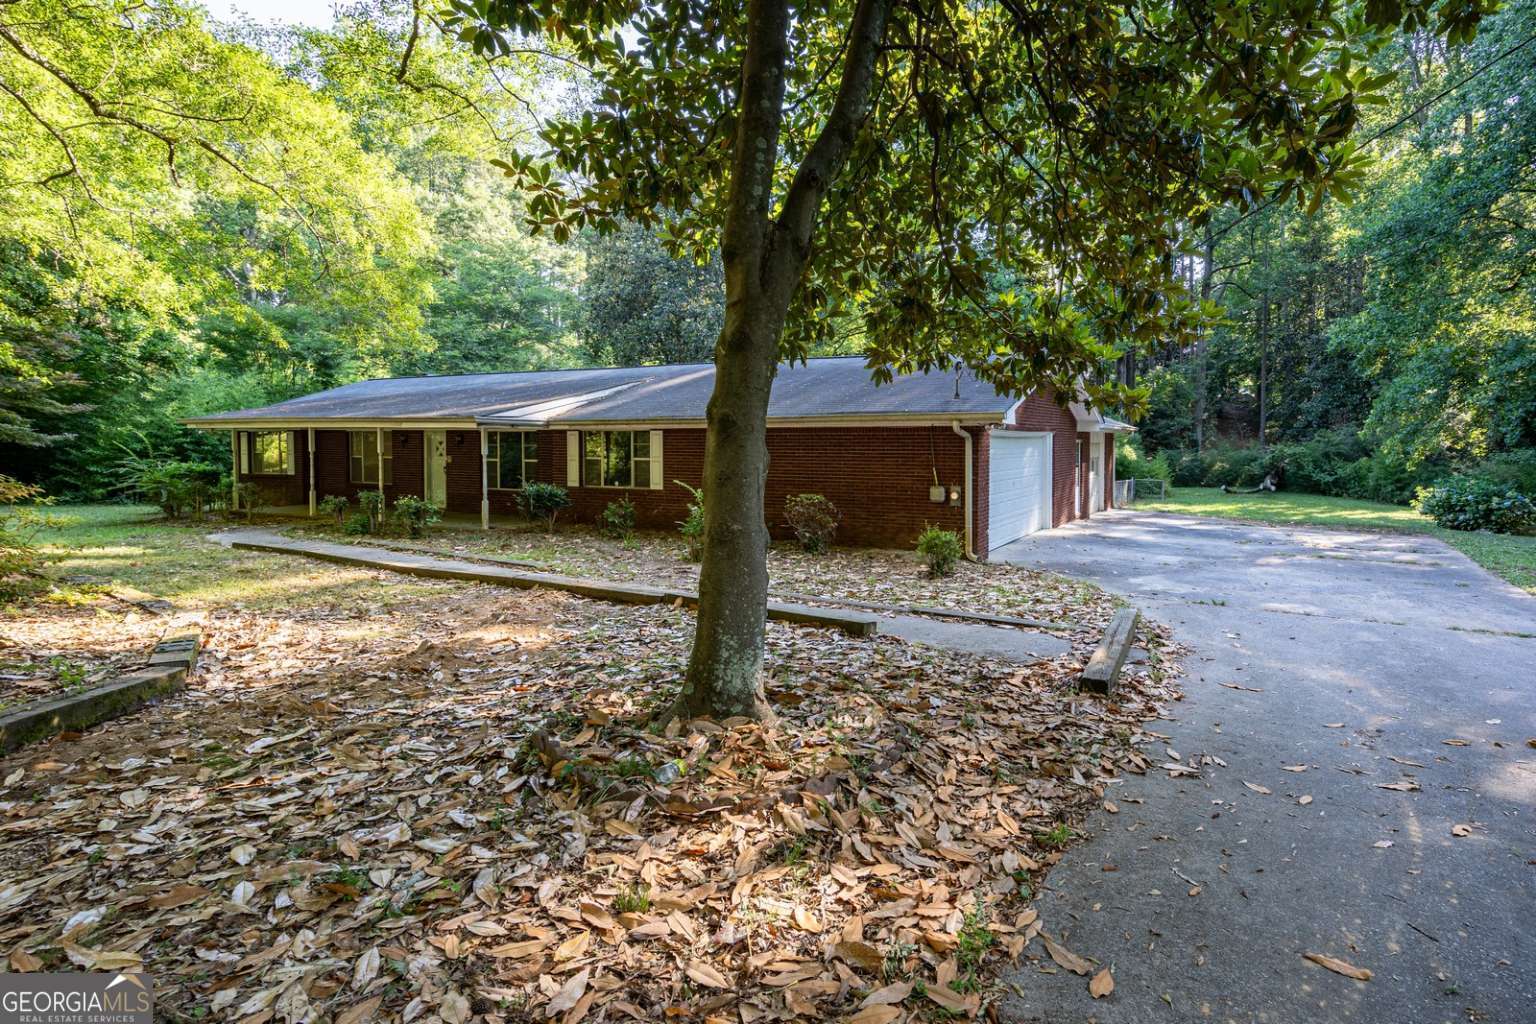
1090,421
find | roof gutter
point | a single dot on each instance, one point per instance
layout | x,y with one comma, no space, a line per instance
970,544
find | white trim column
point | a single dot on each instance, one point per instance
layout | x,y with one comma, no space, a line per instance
485,482
378,451
311,432
234,471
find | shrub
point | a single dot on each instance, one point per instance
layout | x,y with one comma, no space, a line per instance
1318,465
177,488
1464,503
1515,468
814,520
416,514
1383,477
1188,468
357,525
248,495
543,501
1132,463
371,505
1229,465
940,549
618,519
20,561
336,506
692,528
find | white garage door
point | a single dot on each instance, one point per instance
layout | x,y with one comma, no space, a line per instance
1019,491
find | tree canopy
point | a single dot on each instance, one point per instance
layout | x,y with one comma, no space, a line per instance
1002,185
1398,332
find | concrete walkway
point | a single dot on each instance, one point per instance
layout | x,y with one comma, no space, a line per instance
1328,666
1018,645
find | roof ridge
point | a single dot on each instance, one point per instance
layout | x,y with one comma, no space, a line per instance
568,369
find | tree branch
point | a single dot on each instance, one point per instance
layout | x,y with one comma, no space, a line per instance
832,146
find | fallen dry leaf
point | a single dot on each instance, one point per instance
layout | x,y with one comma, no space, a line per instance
706,975
1339,966
360,790
570,993
1461,831
1065,957
890,994
361,1012
1304,800
1102,984
1400,786
1257,788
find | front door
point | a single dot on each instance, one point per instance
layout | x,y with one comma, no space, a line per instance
436,442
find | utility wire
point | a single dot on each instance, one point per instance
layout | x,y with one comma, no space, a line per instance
1395,125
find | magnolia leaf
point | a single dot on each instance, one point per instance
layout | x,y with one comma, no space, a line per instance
1065,957
1339,966
570,993
706,975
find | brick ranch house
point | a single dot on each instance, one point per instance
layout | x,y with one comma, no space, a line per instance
925,448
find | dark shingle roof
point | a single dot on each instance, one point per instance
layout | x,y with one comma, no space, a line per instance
817,389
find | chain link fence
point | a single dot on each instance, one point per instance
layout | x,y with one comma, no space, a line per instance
1128,492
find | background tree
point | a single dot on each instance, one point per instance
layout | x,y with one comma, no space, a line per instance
1383,345
996,184
640,304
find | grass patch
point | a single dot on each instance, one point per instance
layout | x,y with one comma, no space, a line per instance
92,548
634,900
1511,558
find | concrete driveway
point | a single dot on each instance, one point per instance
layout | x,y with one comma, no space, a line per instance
1353,657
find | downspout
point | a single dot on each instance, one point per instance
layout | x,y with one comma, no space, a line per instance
970,544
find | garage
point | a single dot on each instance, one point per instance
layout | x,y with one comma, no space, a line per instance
1018,485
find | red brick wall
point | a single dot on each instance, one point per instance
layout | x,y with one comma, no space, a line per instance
878,477
332,466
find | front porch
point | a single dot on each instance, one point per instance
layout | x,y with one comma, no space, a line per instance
294,467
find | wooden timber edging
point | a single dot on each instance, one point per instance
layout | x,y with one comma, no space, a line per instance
850,622
166,672
986,618
1103,669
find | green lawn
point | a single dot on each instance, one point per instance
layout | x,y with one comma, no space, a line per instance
1513,558
94,547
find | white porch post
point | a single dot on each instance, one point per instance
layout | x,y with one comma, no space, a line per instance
378,450
234,470
311,471
485,482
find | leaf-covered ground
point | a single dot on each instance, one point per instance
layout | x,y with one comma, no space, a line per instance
889,577
445,802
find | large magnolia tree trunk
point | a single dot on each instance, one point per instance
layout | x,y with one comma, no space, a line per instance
724,672
764,259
